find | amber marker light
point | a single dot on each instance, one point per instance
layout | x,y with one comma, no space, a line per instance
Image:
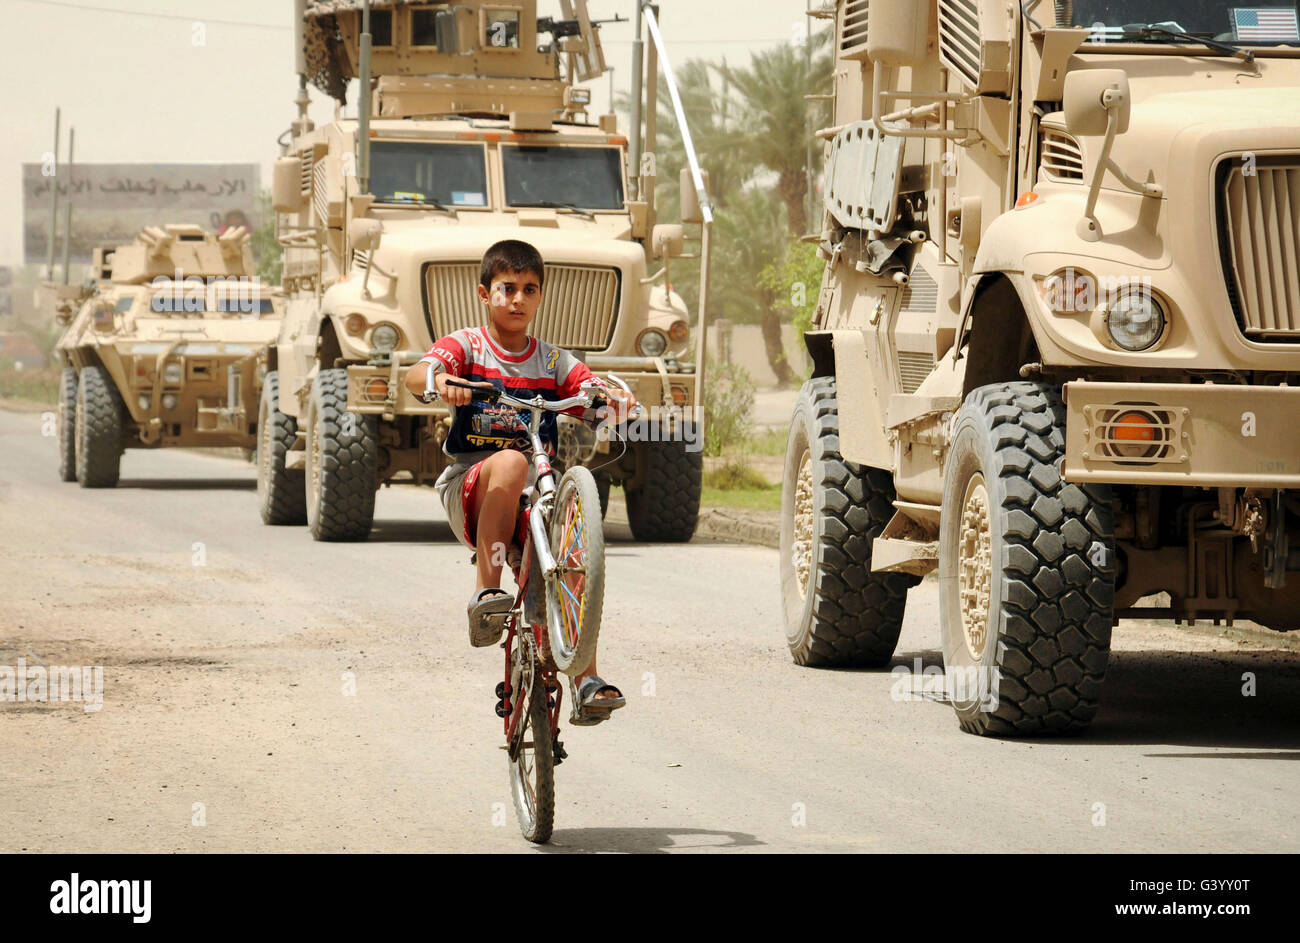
354,323
1028,198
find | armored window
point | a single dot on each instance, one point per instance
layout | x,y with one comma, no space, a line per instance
589,178
381,27
501,29
429,173
124,305
233,304
424,29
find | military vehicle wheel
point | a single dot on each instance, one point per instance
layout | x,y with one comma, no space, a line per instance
837,611
67,424
99,425
1026,569
342,462
667,507
281,492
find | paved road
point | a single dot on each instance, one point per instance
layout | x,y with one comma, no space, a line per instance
225,645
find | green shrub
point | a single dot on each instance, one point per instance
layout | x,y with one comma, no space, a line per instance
728,408
734,476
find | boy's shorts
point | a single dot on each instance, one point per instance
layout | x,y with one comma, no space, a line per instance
455,488
455,493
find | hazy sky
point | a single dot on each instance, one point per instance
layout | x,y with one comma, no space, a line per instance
131,80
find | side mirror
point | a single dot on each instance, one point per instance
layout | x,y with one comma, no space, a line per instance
446,32
1091,96
690,200
898,31
668,240
365,234
286,185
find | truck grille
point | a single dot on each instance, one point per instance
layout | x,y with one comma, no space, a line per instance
1259,229
579,307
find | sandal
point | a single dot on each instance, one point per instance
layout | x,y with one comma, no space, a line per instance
589,710
487,609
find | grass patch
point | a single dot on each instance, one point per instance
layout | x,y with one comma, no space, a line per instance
769,442
736,485
37,386
734,476
767,498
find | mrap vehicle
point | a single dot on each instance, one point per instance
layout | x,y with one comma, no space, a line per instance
165,346
1057,347
469,132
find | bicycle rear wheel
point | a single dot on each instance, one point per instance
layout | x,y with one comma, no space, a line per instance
532,763
576,595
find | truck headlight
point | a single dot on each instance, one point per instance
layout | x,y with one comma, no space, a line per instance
172,373
385,337
652,342
169,401
1136,320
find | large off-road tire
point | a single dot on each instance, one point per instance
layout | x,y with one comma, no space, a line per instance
1026,569
99,424
67,424
837,611
342,462
666,507
281,492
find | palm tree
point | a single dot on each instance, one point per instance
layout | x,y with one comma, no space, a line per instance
778,120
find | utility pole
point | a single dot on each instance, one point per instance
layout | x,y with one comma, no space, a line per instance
810,205
67,224
638,83
54,201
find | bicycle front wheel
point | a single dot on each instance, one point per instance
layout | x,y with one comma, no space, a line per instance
576,594
532,770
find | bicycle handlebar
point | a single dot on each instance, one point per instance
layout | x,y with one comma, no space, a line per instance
493,395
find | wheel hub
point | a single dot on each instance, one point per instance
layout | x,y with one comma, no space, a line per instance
313,480
974,566
801,546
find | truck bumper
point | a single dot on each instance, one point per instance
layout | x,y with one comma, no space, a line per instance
1200,435
382,391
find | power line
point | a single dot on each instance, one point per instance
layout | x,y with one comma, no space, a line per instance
157,16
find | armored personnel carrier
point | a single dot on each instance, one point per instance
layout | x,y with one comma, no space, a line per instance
166,346
1058,341
472,129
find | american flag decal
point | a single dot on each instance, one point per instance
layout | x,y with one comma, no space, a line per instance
1265,24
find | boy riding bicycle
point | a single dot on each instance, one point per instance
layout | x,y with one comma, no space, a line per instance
482,490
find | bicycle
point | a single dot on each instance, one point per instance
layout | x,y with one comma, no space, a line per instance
554,623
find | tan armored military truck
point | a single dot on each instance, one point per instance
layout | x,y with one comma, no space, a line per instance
471,132
1058,341
165,347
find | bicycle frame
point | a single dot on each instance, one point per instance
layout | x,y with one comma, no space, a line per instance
515,701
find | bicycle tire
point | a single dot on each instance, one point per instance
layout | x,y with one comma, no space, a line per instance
533,790
573,609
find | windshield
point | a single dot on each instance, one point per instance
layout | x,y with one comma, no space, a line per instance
1225,20
590,178
422,172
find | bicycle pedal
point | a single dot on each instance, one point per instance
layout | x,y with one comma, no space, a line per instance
561,754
